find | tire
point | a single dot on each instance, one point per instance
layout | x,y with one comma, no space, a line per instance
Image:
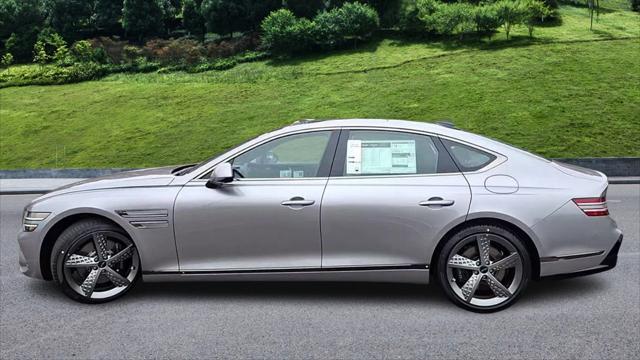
487,283
95,261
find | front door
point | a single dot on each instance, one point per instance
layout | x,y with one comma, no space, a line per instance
267,218
389,197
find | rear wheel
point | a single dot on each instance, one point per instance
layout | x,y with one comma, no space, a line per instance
484,268
94,261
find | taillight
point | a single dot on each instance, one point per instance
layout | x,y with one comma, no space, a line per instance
596,206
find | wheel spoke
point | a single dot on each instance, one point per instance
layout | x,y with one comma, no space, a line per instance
506,263
497,287
90,282
116,279
461,262
100,243
483,249
470,287
123,255
79,261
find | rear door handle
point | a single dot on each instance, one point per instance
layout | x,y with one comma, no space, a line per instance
297,201
436,201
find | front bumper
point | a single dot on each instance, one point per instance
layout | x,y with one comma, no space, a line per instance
562,268
29,253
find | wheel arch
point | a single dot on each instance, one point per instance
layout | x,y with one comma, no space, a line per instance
54,231
509,225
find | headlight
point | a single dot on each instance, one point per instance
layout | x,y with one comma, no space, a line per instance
31,219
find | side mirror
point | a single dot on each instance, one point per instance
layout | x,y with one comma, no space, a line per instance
221,175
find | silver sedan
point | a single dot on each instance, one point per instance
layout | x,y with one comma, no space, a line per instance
340,200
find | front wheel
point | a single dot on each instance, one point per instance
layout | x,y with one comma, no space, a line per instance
94,261
484,268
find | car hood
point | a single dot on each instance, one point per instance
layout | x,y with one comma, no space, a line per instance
161,176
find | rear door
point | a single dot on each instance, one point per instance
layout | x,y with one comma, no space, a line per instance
389,198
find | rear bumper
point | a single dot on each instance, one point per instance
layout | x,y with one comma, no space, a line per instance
561,267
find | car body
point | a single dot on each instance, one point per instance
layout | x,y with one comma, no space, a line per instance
337,200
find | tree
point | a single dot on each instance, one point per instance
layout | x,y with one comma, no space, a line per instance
510,14
107,16
192,19
7,60
225,17
533,11
69,17
305,8
142,18
257,10
20,23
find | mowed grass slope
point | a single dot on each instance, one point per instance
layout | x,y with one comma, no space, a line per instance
575,98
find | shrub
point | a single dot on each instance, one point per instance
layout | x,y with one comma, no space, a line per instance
408,20
282,32
447,19
6,61
328,29
358,20
635,5
50,46
486,18
107,48
179,51
510,13
533,12
82,51
230,47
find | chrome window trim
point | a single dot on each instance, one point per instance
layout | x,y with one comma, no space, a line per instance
241,149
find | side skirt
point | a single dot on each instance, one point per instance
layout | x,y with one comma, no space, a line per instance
418,274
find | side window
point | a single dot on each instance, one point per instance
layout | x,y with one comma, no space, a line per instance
466,157
295,156
371,152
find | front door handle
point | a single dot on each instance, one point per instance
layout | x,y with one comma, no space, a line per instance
297,201
436,201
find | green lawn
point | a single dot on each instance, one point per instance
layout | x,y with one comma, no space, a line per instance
568,93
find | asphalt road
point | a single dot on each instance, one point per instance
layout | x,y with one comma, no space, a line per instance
590,317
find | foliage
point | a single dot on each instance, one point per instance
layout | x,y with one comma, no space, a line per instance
284,33
192,18
533,12
83,52
635,5
6,61
20,23
305,8
107,15
172,52
69,17
224,16
50,46
143,18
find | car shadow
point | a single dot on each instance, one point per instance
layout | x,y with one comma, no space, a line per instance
379,293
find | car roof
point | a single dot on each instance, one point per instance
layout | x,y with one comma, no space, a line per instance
429,127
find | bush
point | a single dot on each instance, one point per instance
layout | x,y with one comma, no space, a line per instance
231,47
283,33
82,51
357,20
486,19
408,20
447,19
533,12
635,5
109,49
173,52
225,17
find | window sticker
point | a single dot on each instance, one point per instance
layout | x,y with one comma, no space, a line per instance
285,173
381,157
298,173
